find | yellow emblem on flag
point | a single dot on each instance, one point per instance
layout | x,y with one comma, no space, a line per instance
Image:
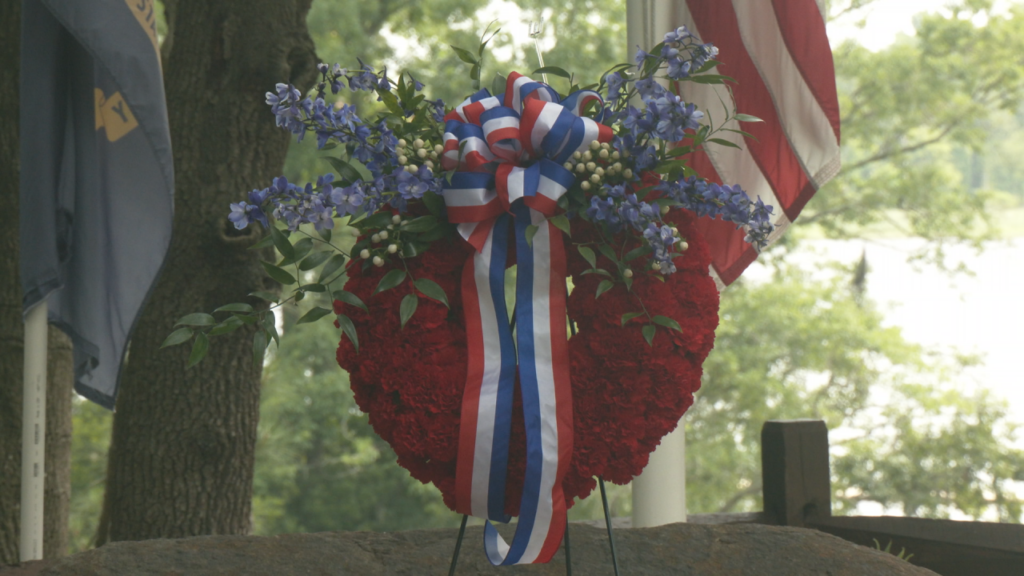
113,115
145,13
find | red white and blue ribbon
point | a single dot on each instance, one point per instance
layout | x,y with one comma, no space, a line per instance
509,152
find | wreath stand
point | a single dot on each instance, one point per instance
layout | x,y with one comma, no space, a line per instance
568,552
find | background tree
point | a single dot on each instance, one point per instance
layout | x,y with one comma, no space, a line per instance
60,373
181,454
913,155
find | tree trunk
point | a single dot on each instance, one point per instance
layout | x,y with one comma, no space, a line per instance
181,453
60,372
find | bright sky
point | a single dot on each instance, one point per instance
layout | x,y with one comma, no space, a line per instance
884,20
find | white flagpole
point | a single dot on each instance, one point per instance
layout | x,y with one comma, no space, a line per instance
33,433
659,492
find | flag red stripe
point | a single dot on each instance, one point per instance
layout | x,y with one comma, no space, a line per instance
803,31
716,22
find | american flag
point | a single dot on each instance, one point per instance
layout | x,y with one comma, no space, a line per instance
779,55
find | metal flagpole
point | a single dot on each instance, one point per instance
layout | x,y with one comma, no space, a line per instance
33,433
659,493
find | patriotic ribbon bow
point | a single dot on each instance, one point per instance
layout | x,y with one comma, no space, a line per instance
509,152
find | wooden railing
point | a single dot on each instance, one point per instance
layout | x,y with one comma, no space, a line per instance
797,492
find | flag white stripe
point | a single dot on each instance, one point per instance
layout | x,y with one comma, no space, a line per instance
802,119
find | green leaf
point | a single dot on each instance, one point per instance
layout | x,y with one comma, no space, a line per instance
271,328
409,250
747,118
636,253
259,346
408,307
231,324
378,220
667,323
265,296
313,315
315,287
474,75
325,233
531,231
464,55
712,79
278,274
431,289
349,329
281,242
561,222
179,336
648,332
600,271
332,266
346,172
434,203
247,319
350,299
390,280
554,71
608,252
498,84
391,102
723,142
421,224
329,146
603,287
629,316
197,319
199,350
236,307
588,255
313,260
266,242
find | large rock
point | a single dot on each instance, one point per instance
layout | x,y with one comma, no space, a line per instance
677,549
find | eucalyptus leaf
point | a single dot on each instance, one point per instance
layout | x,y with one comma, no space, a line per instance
313,260
561,222
236,307
629,316
408,307
432,289
179,336
332,266
648,332
390,280
265,296
747,118
349,329
723,142
199,350
588,255
197,319
531,231
554,71
259,346
278,274
464,55
230,324
421,224
603,287
667,323
350,299
313,315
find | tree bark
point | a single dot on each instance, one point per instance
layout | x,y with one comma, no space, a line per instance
60,371
182,449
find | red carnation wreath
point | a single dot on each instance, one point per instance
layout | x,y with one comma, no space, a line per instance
626,394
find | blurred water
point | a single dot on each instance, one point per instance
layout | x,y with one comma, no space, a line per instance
980,314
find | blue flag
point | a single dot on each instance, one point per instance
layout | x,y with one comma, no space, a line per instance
97,177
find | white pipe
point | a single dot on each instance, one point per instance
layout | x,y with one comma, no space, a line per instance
659,492
33,434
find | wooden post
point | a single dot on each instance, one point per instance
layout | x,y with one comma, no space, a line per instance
795,472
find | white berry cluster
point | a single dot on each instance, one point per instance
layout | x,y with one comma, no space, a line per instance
421,152
596,165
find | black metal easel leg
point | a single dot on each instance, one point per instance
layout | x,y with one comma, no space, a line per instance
568,554
608,524
458,546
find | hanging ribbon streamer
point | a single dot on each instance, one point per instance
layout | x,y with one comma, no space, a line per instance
509,152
